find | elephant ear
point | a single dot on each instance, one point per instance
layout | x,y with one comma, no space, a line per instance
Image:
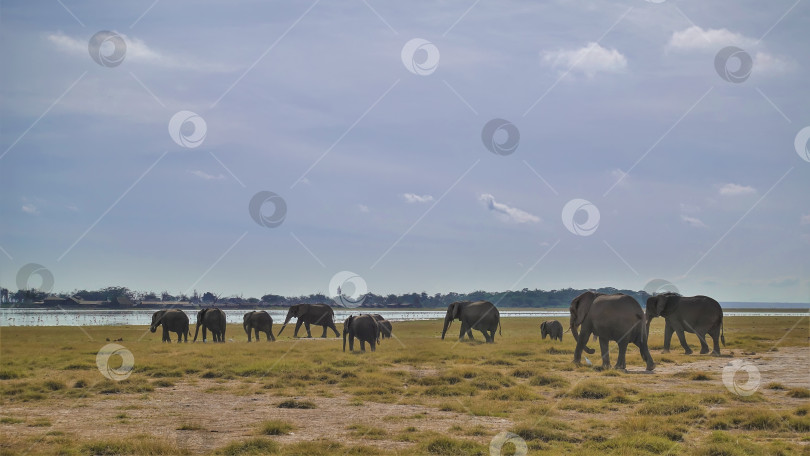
666,303
580,307
456,310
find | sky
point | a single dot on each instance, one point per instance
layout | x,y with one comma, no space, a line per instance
292,147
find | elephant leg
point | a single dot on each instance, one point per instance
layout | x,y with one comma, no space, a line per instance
715,333
704,347
621,361
645,355
166,337
486,336
179,337
667,337
584,335
306,326
461,332
297,327
373,344
603,346
323,336
682,339
362,345
332,325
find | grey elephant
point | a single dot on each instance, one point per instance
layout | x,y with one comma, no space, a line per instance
699,315
257,321
386,328
211,319
614,317
479,315
173,320
311,314
365,328
553,329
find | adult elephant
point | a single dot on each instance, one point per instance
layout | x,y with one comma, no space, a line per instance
365,328
211,319
699,315
173,320
552,329
615,317
257,321
311,314
479,315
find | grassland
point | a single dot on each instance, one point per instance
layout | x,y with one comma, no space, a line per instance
416,394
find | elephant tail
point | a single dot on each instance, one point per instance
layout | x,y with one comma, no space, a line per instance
499,327
722,333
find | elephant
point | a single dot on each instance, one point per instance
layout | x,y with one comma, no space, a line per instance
311,314
479,315
365,328
173,320
616,317
552,329
696,314
386,329
212,319
258,321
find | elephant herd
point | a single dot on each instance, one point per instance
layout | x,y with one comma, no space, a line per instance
606,317
366,328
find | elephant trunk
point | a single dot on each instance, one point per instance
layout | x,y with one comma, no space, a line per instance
197,330
448,320
286,320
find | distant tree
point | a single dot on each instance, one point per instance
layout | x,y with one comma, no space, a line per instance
165,296
149,296
209,298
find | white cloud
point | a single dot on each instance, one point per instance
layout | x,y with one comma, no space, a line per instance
507,213
589,60
414,198
29,208
363,208
206,176
805,220
689,208
138,51
693,221
695,38
736,190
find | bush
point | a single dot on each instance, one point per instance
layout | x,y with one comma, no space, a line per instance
590,390
293,404
276,427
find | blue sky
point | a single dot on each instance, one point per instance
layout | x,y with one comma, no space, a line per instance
375,146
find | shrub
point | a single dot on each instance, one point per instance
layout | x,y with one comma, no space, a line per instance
275,427
293,404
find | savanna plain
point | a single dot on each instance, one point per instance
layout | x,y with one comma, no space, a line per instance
417,394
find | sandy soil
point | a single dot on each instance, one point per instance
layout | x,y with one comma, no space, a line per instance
224,417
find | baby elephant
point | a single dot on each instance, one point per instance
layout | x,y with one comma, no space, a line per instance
551,328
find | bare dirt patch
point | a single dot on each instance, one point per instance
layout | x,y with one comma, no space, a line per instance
217,418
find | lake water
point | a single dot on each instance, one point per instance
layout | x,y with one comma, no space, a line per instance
50,317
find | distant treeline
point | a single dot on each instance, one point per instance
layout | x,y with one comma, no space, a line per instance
519,298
